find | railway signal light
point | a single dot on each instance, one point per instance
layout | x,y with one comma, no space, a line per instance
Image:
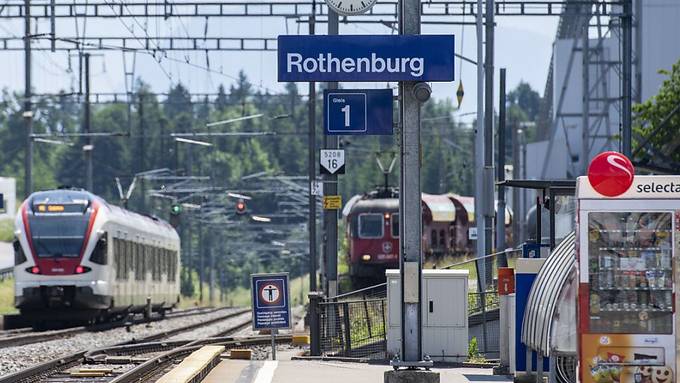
241,207
176,209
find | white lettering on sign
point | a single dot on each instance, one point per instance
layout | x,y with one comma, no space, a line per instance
326,63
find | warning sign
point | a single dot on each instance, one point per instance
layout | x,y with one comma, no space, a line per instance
332,202
271,308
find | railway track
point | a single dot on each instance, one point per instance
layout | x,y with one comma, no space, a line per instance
20,337
127,353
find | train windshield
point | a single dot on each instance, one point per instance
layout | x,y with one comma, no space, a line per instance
58,236
371,225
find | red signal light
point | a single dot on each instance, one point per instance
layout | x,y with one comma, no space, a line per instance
240,207
33,270
82,269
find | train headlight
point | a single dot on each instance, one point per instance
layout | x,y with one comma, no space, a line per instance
82,269
366,257
33,270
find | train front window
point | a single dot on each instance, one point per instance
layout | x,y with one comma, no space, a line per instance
395,225
371,225
58,236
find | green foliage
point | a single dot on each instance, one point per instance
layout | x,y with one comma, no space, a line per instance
474,356
7,296
144,143
6,230
648,117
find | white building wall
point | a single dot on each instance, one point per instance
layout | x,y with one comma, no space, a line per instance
8,189
660,28
660,31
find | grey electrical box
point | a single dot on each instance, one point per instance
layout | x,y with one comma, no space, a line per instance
444,314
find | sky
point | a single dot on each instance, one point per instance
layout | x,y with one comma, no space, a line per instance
523,46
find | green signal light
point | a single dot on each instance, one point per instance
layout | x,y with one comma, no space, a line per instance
176,209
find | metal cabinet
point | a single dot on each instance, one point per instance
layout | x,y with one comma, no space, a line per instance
444,314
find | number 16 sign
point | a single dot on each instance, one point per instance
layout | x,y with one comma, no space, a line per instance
358,111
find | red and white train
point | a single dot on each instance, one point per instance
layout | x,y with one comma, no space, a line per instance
79,258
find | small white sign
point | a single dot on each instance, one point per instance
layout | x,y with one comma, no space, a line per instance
332,161
316,188
472,234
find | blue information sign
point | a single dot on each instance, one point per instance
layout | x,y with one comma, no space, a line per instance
366,58
271,306
357,111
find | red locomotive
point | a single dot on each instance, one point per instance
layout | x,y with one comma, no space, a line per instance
372,230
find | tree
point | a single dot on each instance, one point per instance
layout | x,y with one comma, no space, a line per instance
526,99
657,121
221,101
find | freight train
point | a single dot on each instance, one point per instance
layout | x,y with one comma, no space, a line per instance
372,230
78,258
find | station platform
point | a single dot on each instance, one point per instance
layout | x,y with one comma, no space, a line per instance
285,370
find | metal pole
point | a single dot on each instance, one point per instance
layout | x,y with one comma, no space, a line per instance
500,216
331,188
142,157
28,113
410,200
585,131
627,70
273,331
312,176
211,273
479,145
638,51
487,183
88,140
518,217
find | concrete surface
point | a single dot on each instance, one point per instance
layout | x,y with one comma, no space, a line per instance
288,371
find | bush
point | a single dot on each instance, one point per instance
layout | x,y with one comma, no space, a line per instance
7,230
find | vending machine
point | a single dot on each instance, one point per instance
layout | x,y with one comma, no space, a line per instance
628,235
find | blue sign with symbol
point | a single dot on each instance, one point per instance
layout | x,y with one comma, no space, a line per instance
366,58
271,306
358,111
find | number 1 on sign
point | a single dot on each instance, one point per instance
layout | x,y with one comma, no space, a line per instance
345,110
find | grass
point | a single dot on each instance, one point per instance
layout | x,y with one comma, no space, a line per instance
7,296
6,230
241,296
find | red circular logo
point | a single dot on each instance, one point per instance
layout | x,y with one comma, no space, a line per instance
611,173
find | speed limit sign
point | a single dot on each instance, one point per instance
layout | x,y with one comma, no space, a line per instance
332,161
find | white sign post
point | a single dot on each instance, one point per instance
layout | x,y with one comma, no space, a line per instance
316,188
332,161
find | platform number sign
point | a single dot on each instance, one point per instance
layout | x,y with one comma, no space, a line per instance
332,161
271,306
358,111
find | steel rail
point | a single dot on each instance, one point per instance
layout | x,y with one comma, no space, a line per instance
36,337
39,371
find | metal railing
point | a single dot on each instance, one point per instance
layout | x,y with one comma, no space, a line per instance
354,328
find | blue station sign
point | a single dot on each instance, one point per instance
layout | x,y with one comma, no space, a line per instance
366,58
271,301
358,111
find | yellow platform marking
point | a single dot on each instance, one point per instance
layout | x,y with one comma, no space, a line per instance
192,365
300,340
240,354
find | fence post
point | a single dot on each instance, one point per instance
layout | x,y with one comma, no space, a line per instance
315,322
348,332
368,318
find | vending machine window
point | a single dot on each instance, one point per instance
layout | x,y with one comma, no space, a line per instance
630,270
